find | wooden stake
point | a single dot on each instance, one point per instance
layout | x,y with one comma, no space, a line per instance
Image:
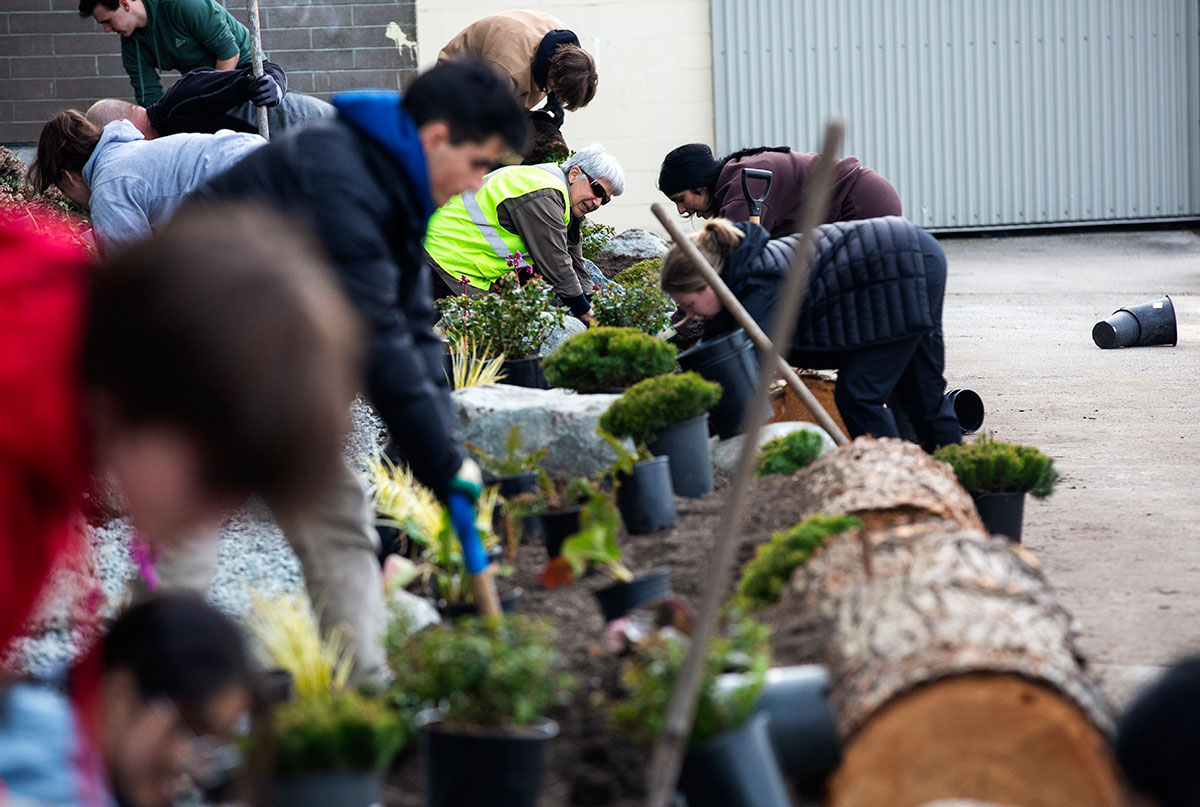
739,312
668,752
256,55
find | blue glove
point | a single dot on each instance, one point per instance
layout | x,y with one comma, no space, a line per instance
468,480
265,91
462,518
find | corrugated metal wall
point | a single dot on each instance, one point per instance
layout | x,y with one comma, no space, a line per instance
1010,113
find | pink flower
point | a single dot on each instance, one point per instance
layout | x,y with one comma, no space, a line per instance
462,281
515,259
144,557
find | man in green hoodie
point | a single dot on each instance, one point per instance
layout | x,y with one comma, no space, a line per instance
170,35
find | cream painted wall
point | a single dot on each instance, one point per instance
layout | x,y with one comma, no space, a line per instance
654,59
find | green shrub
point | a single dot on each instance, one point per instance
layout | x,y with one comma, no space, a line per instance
478,671
515,320
346,732
513,462
642,307
649,679
595,237
787,454
767,574
989,466
652,405
641,274
604,357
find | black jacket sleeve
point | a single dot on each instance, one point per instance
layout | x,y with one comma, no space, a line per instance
201,101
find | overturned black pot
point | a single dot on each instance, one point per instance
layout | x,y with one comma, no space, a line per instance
551,528
736,767
968,408
620,598
525,372
1001,513
472,767
686,445
343,788
645,497
508,604
516,484
728,360
1150,323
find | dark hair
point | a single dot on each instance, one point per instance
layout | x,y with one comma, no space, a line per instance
86,7
1158,739
547,144
180,647
65,144
693,167
472,99
227,325
572,73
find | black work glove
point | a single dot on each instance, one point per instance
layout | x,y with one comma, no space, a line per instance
265,91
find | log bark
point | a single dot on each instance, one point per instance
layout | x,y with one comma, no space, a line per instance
954,670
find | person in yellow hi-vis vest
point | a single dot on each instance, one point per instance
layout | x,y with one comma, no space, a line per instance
525,218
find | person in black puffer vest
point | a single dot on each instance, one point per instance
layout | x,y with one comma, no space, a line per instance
873,311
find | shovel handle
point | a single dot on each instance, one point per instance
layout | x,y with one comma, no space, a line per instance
257,58
486,598
755,202
462,518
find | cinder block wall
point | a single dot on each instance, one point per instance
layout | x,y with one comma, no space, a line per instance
50,59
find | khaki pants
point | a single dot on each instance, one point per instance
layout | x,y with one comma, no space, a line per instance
336,542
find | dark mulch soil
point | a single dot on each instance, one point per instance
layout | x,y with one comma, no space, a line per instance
588,763
610,267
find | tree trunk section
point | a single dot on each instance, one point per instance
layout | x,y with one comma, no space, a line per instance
954,671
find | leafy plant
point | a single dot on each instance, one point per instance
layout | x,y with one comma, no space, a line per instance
514,321
513,462
345,732
594,545
595,236
48,211
643,307
787,454
767,574
990,466
470,367
289,638
644,273
479,672
650,406
648,680
601,358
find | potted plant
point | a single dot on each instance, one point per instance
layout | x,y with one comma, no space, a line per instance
552,514
669,415
514,472
643,485
514,320
729,361
466,365
595,546
328,744
789,453
998,475
608,359
489,683
768,573
730,760
644,308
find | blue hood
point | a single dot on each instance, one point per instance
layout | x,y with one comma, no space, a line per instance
378,114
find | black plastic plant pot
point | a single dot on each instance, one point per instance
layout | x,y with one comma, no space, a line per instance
276,686
552,528
620,598
645,497
968,408
728,360
686,445
448,367
517,484
343,788
736,767
803,727
1002,513
1150,323
465,768
508,604
524,373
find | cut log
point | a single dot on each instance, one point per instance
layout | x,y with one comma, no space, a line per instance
888,481
954,671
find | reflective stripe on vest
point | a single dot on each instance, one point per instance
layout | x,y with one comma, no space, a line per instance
465,237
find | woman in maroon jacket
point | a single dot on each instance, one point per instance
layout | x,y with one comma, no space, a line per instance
700,184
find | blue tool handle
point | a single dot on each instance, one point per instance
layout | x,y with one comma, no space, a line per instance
462,518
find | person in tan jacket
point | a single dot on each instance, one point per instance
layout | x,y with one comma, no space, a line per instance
535,51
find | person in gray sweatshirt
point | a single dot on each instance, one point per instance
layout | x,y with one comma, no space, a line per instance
130,185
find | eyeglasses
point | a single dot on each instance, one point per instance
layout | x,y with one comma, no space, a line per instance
597,189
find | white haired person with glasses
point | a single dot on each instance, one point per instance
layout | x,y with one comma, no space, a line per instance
525,219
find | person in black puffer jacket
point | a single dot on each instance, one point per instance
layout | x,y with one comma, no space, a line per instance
873,311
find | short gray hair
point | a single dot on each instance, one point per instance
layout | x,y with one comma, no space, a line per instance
598,164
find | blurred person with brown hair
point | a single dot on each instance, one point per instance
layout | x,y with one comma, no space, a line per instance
539,56
209,363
